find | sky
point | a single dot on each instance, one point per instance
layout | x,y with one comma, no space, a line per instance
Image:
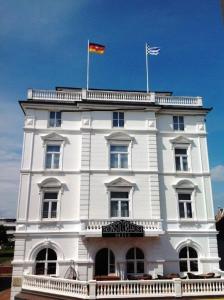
43,45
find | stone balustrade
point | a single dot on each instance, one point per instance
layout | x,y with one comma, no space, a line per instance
124,288
151,227
97,224
56,286
112,96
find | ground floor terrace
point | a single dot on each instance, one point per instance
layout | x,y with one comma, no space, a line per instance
121,289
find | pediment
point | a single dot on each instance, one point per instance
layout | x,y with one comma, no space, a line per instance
181,140
50,183
120,182
53,136
185,184
119,136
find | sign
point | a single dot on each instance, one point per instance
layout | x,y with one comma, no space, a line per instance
122,228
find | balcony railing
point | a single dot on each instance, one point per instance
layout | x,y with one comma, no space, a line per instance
112,96
94,227
124,288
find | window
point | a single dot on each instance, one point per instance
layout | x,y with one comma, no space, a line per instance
118,119
50,202
119,204
178,123
135,261
185,205
52,157
55,119
188,258
119,156
46,262
104,262
181,159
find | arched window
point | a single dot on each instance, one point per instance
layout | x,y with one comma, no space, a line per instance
104,262
135,261
46,260
188,258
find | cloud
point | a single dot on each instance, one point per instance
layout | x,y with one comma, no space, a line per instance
218,173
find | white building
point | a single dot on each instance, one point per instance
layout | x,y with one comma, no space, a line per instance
114,182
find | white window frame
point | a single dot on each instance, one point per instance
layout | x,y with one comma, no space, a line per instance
60,154
178,123
135,260
46,263
119,200
118,119
187,192
50,206
55,119
188,259
181,158
119,155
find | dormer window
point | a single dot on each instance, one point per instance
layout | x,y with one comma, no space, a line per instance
55,119
118,119
178,123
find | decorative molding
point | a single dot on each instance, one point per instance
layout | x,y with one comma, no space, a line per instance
120,182
181,140
119,136
54,137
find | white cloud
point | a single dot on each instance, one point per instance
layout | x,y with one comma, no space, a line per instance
218,173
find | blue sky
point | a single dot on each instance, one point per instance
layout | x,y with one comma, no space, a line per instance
43,45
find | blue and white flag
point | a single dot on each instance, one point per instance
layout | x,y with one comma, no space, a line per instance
152,50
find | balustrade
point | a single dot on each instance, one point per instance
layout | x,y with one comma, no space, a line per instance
125,288
97,95
149,225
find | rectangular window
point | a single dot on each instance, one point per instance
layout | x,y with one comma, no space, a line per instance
52,157
119,204
119,156
185,206
178,123
55,119
50,202
181,159
118,119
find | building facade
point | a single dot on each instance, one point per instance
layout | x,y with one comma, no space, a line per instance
114,183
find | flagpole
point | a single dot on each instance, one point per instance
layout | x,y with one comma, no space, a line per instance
87,79
147,69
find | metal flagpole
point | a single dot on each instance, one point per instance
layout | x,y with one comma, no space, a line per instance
147,70
87,79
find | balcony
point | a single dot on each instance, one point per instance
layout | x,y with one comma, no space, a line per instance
82,95
128,289
94,228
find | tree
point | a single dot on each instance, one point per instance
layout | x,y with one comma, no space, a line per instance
3,235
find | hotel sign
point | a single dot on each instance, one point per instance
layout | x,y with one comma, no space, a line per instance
122,228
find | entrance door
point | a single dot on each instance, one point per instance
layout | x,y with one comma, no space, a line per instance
104,262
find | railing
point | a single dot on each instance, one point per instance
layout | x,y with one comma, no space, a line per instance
96,95
61,96
58,286
119,96
148,225
202,287
178,100
137,288
124,288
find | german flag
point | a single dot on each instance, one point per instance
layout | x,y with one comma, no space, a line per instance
96,48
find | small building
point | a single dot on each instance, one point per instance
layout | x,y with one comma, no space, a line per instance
114,184
10,225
